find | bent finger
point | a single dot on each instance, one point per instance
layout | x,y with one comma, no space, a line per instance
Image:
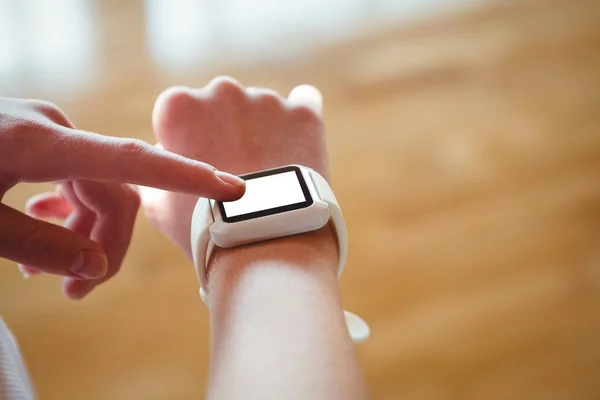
115,207
28,271
48,205
82,219
49,248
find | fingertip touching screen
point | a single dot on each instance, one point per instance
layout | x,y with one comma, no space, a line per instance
267,193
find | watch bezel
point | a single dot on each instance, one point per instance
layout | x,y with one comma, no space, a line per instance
276,210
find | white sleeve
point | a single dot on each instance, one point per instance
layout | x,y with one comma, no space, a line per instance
14,380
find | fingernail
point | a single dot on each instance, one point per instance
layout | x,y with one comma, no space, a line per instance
25,274
89,265
27,271
229,179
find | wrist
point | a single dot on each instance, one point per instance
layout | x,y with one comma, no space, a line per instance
314,252
275,301
319,245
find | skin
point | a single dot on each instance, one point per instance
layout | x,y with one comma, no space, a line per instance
39,144
276,319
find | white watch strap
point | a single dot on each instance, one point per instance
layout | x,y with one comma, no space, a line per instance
200,237
202,219
357,328
335,213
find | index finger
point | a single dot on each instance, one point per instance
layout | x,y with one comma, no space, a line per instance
73,154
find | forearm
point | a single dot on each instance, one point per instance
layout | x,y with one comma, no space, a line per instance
277,325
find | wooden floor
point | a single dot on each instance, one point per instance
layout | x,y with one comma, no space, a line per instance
465,151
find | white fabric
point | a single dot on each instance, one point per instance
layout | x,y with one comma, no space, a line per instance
14,381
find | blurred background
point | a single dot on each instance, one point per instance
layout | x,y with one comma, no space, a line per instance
464,139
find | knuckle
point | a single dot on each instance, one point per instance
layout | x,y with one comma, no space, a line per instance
128,151
226,88
269,100
173,107
12,144
43,106
19,131
176,99
115,201
51,112
21,140
305,114
131,148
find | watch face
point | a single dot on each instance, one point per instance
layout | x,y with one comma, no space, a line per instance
268,192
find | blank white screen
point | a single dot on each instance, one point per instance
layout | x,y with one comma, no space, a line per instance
265,193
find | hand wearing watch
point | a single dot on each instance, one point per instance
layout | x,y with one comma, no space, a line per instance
278,202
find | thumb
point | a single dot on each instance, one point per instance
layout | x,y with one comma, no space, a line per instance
49,248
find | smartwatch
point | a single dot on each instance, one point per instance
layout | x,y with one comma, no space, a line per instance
278,202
